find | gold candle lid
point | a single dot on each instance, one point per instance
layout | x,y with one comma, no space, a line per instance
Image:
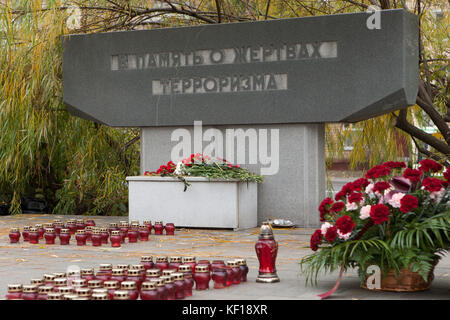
89,228
26,228
70,296
29,288
99,290
121,295
57,220
123,266
33,229
153,272
147,222
73,273
38,282
139,267
111,284
14,229
118,272
49,277
158,222
65,290
83,292
45,289
59,274
128,285
106,267
38,225
79,282
185,268
167,279
177,276
81,231
54,296
232,263
115,233
96,231
161,259
143,227
95,284
49,230
60,282
103,229
123,223
147,259
65,231
15,287
79,220
201,268
266,231
134,273
158,281
99,296
148,286
241,262
175,259
189,259
168,272
87,271
113,224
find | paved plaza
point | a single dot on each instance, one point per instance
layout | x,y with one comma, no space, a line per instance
23,261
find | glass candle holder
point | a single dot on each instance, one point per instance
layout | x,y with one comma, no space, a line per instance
144,233
49,279
87,274
29,292
58,227
217,263
168,272
26,233
202,277
88,231
80,225
121,295
96,237
135,276
186,270
50,236
65,290
84,292
43,292
219,276
56,221
111,286
64,237
40,229
148,224
14,235
229,275
170,229
131,287
141,269
180,285
95,284
81,237
147,262
149,291
104,235
124,267
159,227
89,222
244,269
78,283
118,275
133,235
162,263
115,239
205,263
190,261
38,282
72,226
59,282
113,226
170,287
236,272
160,287
175,262
14,291
152,274
123,228
33,236
106,269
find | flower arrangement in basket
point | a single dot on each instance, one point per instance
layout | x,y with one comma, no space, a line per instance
396,219
199,165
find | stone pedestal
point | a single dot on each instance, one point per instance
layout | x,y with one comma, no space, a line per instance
293,193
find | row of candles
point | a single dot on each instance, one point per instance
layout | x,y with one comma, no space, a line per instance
86,231
163,279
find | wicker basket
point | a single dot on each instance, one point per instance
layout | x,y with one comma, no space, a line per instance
407,281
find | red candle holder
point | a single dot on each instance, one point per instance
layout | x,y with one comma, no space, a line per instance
123,228
190,261
148,224
141,270
106,268
80,225
131,287
64,237
118,275
202,277
121,295
244,269
133,235
235,272
180,285
205,263
219,276
50,236
189,282
111,286
49,279
81,237
89,232
266,250
159,227
124,267
104,235
175,262
38,282
144,233
152,274
113,227
162,263
89,222
96,237
56,221
72,226
149,291
135,276
84,293
170,229
170,287
95,284
147,262
58,227
59,282
14,235
33,236
78,283
14,292
115,239
26,233
29,292
41,230
229,272
87,274
43,292
160,288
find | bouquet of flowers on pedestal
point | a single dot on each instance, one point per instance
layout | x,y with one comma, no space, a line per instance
396,218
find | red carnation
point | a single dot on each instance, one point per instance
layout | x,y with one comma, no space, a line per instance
331,234
378,171
324,208
447,173
340,195
395,164
337,206
345,224
412,174
381,186
316,238
360,184
430,165
408,203
379,213
432,184
355,197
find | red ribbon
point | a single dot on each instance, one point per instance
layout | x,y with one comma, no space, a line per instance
336,286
